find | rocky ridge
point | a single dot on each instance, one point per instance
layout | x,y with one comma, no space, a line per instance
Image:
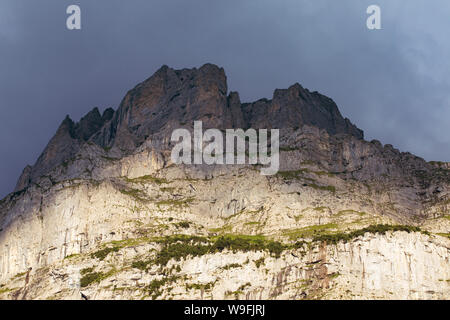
103,204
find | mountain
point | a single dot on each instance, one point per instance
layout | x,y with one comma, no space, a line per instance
105,214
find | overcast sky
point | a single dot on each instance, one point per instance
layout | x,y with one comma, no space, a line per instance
393,83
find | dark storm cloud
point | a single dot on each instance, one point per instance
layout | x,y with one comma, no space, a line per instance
392,83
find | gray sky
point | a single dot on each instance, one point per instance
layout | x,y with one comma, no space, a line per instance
392,83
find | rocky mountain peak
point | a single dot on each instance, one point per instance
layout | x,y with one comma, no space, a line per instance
173,98
297,106
103,211
64,144
91,123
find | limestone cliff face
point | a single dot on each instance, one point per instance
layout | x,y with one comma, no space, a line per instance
100,211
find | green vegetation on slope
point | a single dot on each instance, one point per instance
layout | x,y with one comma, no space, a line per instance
375,229
147,179
181,247
89,277
178,247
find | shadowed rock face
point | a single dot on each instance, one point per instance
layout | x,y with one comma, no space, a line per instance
176,97
91,123
295,107
64,144
173,98
168,100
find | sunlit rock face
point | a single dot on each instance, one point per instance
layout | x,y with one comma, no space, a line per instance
99,211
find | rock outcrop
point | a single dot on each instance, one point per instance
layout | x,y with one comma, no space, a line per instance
64,145
104,213
296,107
175,98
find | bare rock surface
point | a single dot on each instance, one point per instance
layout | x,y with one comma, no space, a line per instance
105,214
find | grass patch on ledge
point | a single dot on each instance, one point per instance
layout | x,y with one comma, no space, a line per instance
324,188
182,203
231,266
147,179
350,211
86,271
225,229
129,242
103,253
324,173
334,238
321,209
200,286
5,290
259,262
183,224
290,175
141,264
181,247
154,288
321,233
71,256
244,211
89,277
134,193
310,231
183,238
20,275
115,246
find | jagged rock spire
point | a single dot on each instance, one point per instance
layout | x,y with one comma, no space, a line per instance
172,98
